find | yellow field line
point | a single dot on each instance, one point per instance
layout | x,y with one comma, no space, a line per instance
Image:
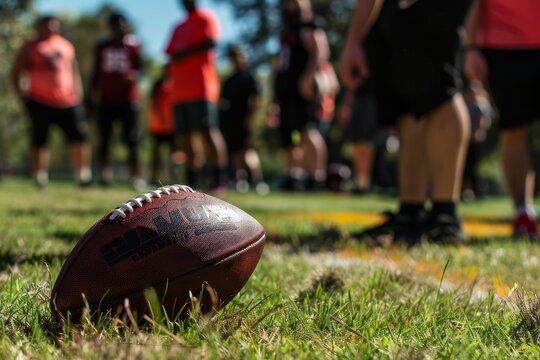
471,227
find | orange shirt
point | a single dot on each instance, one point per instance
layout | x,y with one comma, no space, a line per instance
161,117
194,77
50,71
509,24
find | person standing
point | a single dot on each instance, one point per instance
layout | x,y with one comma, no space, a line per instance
503,49
195,92
417,89
117,66
304,52
53,96
161,126
237,108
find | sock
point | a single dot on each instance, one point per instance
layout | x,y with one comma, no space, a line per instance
85,174
444,208
42,177
411,209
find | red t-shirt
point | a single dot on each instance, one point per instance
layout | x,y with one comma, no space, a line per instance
509,24
161,118
194,77
115,64
50,67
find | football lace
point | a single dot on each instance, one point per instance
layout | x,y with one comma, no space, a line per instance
127,208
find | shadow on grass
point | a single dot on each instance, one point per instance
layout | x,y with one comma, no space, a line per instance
10,260
324,239
68,236
75,212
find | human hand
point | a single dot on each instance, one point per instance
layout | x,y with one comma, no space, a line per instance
476,66
354,69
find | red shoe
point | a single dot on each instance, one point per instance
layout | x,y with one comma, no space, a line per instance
525,225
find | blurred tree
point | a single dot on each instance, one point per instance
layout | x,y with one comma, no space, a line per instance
15,26
260,24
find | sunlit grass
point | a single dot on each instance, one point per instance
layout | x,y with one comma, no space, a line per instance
316,293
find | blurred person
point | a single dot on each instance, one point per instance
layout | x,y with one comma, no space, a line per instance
117,67
52,96
357,116
503,49
237,108
161,126
297,94
413,68
480,114
195,92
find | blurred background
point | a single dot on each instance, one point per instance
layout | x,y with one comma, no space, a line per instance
255,24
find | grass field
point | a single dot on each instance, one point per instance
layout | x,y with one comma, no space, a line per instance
317,293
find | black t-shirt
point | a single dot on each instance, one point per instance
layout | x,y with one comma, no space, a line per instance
235,96
292,61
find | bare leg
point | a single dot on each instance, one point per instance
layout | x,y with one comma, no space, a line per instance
516,163
413,171
218,147
315,154
251,159
80,158
39,163
446,138
363,164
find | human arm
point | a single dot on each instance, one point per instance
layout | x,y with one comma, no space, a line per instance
475,63
317,46
195,49
353,63
345,111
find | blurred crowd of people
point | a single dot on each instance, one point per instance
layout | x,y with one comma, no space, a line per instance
412,81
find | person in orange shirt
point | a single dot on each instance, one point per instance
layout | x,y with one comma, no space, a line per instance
195,91
161,124
53,96
503,49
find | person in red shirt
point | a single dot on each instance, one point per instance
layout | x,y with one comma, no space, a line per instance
503,49
117,65
53,96
195,91
161,126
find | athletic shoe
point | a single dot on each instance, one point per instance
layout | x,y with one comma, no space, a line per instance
397,228
443,229
525,225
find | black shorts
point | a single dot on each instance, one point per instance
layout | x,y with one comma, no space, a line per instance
514,82
412,51
70,120
194,116
296,117
126,113
160,139
363,125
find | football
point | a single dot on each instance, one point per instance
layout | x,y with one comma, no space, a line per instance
181,243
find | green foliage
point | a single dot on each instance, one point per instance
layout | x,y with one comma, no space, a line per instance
261,24
14,27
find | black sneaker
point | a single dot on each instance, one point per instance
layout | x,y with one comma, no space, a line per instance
443,229
397,228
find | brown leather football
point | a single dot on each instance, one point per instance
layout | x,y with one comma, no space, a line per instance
174,240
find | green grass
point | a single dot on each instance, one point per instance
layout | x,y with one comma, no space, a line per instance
316,293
